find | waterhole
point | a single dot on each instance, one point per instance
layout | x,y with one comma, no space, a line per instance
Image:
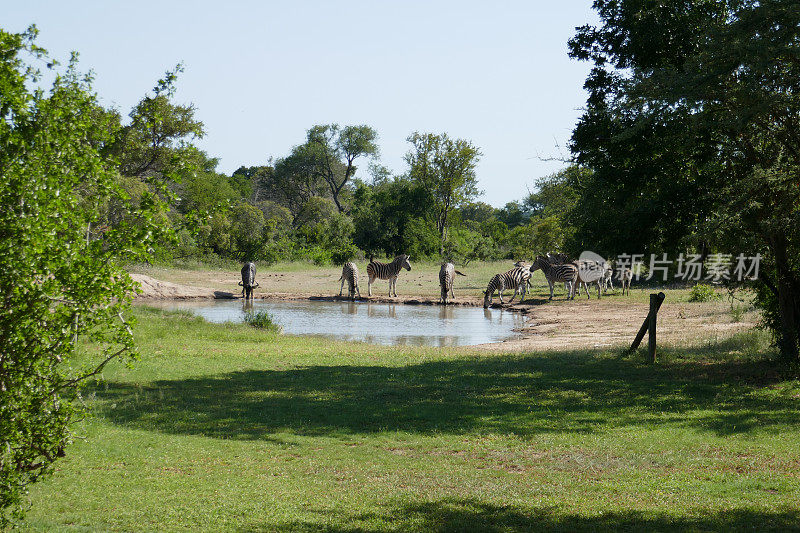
376,323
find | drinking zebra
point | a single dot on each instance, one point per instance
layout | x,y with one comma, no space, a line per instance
350,275
516,278
566,273
248,282
388,271
447,275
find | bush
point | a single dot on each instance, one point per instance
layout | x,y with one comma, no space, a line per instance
703,292
262,320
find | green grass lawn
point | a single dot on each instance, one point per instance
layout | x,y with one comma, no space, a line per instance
227,427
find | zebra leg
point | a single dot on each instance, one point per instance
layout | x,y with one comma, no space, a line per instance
369,285
452,295
552,285
341,289
513,295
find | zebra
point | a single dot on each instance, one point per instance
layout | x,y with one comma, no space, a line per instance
388,271
559,258
590,272
625,277
248,282
608,274
566,273
516,278
350,275
447,275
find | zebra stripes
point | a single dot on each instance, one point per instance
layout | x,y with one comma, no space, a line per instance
565,273
516,278
447,275
350,275
390,271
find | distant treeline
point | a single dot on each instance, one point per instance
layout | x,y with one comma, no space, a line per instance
329,200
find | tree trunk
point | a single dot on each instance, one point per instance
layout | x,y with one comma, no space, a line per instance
788,300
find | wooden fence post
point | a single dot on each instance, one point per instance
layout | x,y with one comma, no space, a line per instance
655,303
649,324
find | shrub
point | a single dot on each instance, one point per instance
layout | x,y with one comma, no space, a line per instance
703,292
262,320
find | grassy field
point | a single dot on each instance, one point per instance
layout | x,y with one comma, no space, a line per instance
224,427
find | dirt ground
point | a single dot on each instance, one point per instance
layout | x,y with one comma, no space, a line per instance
558,324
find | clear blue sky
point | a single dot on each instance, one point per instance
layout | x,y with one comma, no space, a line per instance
261,73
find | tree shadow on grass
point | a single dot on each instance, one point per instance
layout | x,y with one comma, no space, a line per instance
521,395
473,515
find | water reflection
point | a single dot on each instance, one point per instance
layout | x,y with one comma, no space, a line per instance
349,308
446,312
378,323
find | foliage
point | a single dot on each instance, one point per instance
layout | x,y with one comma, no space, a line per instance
153,142
692,136
703,292
59,258
262,320
445,169
537,237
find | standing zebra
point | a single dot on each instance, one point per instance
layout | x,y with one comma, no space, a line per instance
350,275
516,278
608,273
388,271
590,272
248,282
566,273
625,277
447,275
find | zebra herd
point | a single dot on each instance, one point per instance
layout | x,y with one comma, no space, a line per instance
557,268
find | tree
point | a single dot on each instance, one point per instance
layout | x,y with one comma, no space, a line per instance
297,178
446,169
693,134
60,280
336,151
158,132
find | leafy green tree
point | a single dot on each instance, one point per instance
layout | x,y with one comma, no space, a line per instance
692,133
158,132
247,231
256,183
60,277
445,168
479,212
297,178
381,214
537,237
557,194
513,214
335,151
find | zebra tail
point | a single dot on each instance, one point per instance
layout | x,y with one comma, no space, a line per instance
460,274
